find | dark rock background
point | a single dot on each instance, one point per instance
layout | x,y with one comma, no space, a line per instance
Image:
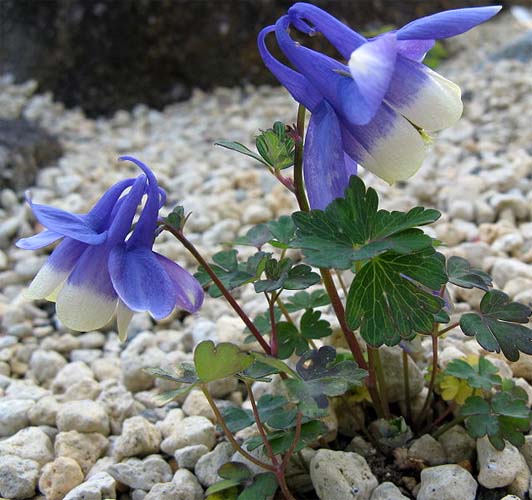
105,55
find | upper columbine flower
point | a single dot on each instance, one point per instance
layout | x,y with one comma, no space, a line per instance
371,110
96,270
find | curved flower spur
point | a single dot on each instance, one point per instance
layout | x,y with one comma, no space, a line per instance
97,270
374,109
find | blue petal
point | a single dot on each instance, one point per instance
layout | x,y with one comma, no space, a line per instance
446,24
189,293
66,224
324,165
414,50
99,216
372,66
141,281
341,36
43,239
331,78
298,86
124,212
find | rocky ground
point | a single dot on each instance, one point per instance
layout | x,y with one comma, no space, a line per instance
77,413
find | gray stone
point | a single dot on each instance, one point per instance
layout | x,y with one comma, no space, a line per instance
387,491
14,415
337,474
188,456
497,468
188,485
84,448
30,443
173,417
447,482
59,477
142,474
392,364
458,444
429,450
69,374
85,388
99,487
83,416
44,412
25,147
190,431
206,469
520,49
119,404
18,476
45,365
139,438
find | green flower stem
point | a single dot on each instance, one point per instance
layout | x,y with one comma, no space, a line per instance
373,353
229,434
444,428
274,344
299,185
374,385
422,414
260,426
406,381
284,310
234,304
448,328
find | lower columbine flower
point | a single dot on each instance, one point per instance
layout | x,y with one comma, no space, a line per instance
374,109
97,271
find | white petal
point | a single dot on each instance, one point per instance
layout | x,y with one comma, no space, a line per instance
45,283
83,309
426,98
123,318
389,146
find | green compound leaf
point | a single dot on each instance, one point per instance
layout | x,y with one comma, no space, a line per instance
237,471
281,441
352,229
276,146
214,362
283,231
230,272
240,148
237,419
262,488
167,396
184,374
496,327
257,236
284,275
289,340
279,365
390,298
505,417
482,376
312,327
461,274
322,376
275,411
304,300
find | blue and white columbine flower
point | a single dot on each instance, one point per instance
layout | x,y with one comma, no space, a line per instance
97,270
371,110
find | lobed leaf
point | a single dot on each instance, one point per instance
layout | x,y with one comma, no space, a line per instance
352,229
214,362
390,298
497,327
461,274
